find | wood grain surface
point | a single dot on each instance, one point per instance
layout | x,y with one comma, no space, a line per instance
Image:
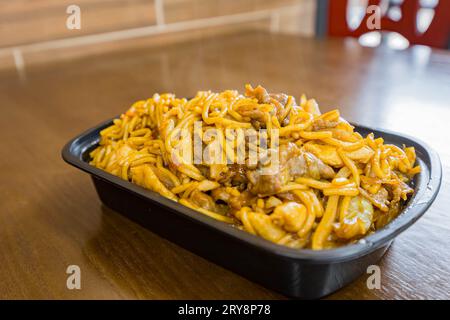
50,216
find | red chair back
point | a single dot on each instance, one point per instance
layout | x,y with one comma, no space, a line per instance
437,34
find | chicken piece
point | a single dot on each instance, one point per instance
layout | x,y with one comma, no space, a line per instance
379,199
281,98
328,154
238,171
400,191
288,151
243,200
303,164
221,194
235,202
262,183
265,228
287,196
312,107
207,185
382,218
278,100
145,177
266,184
254,112
363,154
259,93
329,124
218,172
164,177
234,175
290,216
308,165
316,165
202,200
204,169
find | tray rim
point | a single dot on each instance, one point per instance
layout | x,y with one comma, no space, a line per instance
416,207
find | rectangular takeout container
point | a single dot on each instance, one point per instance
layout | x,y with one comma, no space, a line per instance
296,273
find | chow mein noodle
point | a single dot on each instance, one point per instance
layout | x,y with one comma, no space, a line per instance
277,169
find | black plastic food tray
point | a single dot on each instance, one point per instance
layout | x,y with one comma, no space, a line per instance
296,273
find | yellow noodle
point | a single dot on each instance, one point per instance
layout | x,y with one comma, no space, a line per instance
344,207
141,146
211,214
305,197
316,135
326,224
313,183
351,165
341,192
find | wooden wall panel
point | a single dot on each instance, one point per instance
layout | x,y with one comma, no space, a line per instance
181,10
27,26
299,20
27,21
63,54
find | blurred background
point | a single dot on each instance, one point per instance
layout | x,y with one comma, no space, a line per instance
35,30
30,27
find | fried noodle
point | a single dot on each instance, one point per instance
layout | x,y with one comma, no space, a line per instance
333,186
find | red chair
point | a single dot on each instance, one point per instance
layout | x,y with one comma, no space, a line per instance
437,34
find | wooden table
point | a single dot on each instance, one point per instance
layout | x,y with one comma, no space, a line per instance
50,215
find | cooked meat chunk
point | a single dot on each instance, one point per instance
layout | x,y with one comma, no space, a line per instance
400,191
234,175
165,179
279,98
363,154
220,194
238,174
288,151
259,93
288,196
308,165
253,112
264,184
379,199
218,172
243,200
203,200
301,163
328,154
235,202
